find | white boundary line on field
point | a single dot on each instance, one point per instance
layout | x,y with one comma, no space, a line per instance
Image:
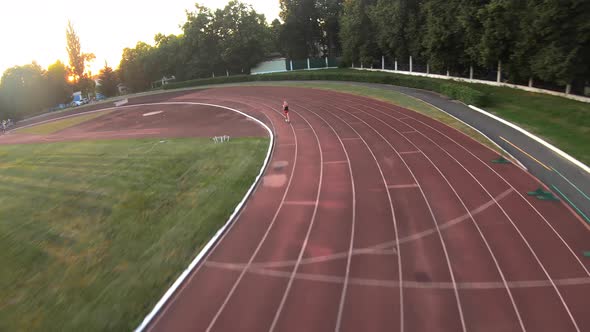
221,230
536,138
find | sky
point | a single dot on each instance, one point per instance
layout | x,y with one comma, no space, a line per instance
35,29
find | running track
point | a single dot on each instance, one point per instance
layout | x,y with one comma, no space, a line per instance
371,217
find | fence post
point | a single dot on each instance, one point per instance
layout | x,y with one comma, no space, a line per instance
308,67
382,62
227,73
427,68
291,64
352,65
326,62
410,63
499,77
568,88
530,82
361,65
213,74
395,65
448,74
470,72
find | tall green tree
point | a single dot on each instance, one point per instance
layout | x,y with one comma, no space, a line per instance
58,89
562,31
135,67
357,33
329,16
200,51
397,25
23,90
242,34
301,34
443,35
108,81
78,59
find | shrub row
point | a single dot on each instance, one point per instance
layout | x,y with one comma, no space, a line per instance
454,90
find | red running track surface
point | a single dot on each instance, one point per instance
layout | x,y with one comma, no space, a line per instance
372,217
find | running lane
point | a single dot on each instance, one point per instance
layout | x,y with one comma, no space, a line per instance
371,217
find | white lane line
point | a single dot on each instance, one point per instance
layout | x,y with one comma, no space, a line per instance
392,215
300,203
510,219
444,247
402,186
407,239
367,250
410,152
351,241
221,232
573,185
274,218
152,113
521,195
410,284
309,228
351,138
483,238
336,161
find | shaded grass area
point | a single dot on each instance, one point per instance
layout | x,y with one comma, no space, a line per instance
93,233
55,126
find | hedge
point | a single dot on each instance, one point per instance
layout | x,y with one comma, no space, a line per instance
454,90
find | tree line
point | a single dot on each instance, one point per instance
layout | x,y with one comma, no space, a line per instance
28,89
540,39
547,40
543,40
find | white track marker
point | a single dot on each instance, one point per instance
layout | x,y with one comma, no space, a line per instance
121,102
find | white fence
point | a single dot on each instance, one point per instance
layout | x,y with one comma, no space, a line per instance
498,82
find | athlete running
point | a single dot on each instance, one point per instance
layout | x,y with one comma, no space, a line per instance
286,111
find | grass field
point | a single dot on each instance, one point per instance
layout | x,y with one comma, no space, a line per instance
93,233
55,126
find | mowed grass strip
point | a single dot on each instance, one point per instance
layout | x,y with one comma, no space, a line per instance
93,233
55,126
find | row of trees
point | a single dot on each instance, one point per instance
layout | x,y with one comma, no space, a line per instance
232,40
29,89
541,39
546,39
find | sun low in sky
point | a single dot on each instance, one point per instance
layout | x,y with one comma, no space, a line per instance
35,29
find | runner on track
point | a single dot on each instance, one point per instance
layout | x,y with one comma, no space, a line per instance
286,111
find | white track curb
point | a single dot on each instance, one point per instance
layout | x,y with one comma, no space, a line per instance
229,221
219,232
539,140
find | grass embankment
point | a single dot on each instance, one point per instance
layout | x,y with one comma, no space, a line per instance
55,126
563,122
454,90
93,233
